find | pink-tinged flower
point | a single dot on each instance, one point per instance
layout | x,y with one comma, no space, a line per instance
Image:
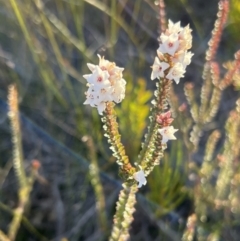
158,68
165,119
167,133
98,78
114,71
169,44
176,72
182,107
140,178
103,63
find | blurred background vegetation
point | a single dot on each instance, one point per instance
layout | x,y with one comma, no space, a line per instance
44,48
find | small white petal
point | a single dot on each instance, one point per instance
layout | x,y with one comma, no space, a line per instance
174,27
183,57
86,76
91,66
176,72
185,37
158,68
101,107
140,178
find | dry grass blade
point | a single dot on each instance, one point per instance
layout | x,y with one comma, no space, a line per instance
48,79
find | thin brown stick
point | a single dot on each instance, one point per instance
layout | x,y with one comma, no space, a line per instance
162,16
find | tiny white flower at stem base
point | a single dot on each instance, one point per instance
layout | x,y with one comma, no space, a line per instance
167,133
140,178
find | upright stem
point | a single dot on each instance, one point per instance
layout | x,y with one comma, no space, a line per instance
114,139
152,147
24,185
124,212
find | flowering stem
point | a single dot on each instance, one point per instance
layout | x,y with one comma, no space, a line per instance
124,211
114,139
152,146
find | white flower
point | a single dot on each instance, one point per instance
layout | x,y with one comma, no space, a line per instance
103,63
172,51
98,97
101,107
187,58
98,78
140,178
169,43
115,74
174,27
183,57
176,72
104,94
90,95
185,38
158,68
119,90
167,133
160,55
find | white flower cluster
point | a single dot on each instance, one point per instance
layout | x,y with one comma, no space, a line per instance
105,84
172,52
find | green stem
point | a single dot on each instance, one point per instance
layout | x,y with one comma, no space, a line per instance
151,145
114,138
124,211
